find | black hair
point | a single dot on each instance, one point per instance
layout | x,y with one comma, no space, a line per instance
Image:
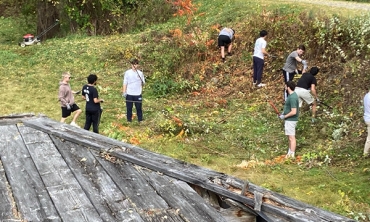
263,33
233,31
314,70
134,61
92,78
291,85
302,47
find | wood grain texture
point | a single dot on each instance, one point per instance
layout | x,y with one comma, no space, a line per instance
107,198
31,197
66,193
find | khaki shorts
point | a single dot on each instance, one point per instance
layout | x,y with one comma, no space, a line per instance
304,94
290,127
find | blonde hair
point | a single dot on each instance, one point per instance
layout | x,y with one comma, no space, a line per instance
65,74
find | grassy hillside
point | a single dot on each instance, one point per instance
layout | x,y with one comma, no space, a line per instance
205,112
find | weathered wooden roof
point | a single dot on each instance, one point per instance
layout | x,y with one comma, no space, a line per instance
56,172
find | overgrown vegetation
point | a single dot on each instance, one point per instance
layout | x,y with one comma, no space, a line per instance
208,113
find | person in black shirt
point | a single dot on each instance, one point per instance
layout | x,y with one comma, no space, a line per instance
93,109
306,89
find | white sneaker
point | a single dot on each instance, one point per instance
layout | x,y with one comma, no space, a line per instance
74,124
261,85
290,154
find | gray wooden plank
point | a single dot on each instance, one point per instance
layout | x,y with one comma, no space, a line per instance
179,195
134,185
13,119
68,197
109,201
6,209
32,199
214,181
258,200
168,215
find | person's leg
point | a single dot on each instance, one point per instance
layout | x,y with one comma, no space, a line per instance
100,113
292,143
88,120
254,70
305,95
223,52
95,121
138,106
65,114
77,114
286,79
314,104
229,48
129,105
290,132
367,143
260,63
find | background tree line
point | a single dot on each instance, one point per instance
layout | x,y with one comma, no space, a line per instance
91,17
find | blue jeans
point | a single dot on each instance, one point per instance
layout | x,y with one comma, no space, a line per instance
130,101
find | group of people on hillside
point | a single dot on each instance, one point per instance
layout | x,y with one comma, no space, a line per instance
133,82
294,93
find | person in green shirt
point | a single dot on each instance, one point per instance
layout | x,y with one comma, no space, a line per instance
290,116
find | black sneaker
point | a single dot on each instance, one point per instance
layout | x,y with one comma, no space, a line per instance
229,54
223,60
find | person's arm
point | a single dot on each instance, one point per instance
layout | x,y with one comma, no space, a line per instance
313,91
96,100
124,84
304,62
61,97
298,59
292,112
264,51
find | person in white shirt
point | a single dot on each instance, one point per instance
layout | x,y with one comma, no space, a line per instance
258,58
367,122
133,82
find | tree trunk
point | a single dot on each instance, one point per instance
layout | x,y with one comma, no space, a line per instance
47,14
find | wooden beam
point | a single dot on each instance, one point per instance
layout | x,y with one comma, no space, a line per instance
219,183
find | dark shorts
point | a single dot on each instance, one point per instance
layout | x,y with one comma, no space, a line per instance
223,40
288,76
66,112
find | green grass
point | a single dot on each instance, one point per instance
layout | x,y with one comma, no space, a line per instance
226,124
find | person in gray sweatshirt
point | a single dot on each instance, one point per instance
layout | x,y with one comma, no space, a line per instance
67,100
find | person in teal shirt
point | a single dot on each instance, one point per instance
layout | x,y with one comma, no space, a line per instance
290,116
